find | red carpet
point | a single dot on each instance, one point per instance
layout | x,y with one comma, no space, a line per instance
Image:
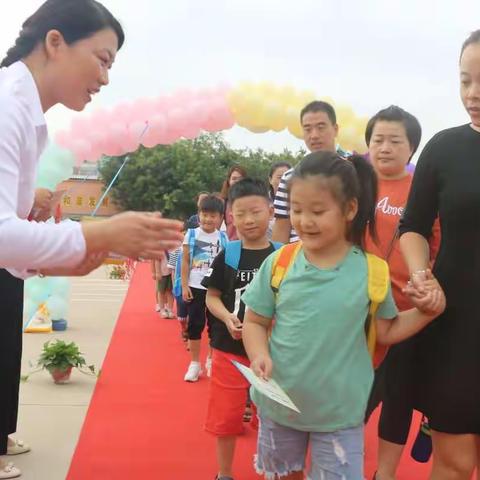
145,422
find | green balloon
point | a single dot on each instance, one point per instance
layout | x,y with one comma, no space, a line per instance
56,165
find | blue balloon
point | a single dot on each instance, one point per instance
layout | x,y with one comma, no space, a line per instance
38,294
56,165
58,307
60,286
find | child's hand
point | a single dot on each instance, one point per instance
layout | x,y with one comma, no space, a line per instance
420,283
262,366
432,304
427,296
187,294
234,326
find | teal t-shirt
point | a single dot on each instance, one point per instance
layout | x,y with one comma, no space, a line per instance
318,343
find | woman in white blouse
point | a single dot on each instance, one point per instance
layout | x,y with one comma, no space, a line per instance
62,55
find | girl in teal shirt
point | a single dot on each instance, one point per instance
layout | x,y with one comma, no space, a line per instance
317,351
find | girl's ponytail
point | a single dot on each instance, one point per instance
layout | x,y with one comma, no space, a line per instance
367,200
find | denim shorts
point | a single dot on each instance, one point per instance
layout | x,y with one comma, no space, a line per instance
335,456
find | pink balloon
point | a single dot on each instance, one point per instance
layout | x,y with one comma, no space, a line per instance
101,119
198,112
224,89
63,139
208,93
81,149
191,131
150,141
220,117
98,139
116,133
162,104
143,110
158,123
156,133
183,96
176,120
112,149
122,112
80,127
94,155
131,141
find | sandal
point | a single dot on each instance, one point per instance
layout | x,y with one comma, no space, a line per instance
10,471
247,414
17,448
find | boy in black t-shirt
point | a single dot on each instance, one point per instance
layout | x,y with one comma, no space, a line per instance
251,211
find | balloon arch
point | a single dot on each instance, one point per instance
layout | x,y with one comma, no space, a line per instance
259,107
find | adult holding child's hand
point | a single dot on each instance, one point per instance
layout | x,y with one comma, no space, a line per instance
447,370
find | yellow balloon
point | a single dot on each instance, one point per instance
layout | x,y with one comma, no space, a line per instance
350,139
296,130
293,122
267,89
258,129
274,114
236,101
292,114
329,100
304,97
253,104
345,115
279,124
246,86
286,94
241,119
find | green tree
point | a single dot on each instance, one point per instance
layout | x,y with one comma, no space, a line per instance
168,178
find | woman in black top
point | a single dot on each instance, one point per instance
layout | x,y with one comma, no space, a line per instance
447,183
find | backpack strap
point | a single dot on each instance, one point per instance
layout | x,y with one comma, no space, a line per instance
224,239
378,284
277,245
233,251
191,243
177,284
282,262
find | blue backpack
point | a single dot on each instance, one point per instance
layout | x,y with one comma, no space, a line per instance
177,285
233,251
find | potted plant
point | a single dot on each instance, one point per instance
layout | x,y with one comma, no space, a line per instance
59,358
118,272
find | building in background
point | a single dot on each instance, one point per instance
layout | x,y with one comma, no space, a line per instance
82,193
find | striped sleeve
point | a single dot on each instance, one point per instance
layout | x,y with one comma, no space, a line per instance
281,201
172,259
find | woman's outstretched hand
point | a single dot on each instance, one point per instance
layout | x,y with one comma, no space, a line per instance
134,235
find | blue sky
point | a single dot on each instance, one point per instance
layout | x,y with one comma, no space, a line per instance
368,54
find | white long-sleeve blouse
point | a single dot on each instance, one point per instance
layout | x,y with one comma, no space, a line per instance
27,245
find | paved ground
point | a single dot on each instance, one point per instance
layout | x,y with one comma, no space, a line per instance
51,416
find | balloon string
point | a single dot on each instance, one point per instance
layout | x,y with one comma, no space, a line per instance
114,179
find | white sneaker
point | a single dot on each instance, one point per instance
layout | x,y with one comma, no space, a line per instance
157,307
193,372
208,366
